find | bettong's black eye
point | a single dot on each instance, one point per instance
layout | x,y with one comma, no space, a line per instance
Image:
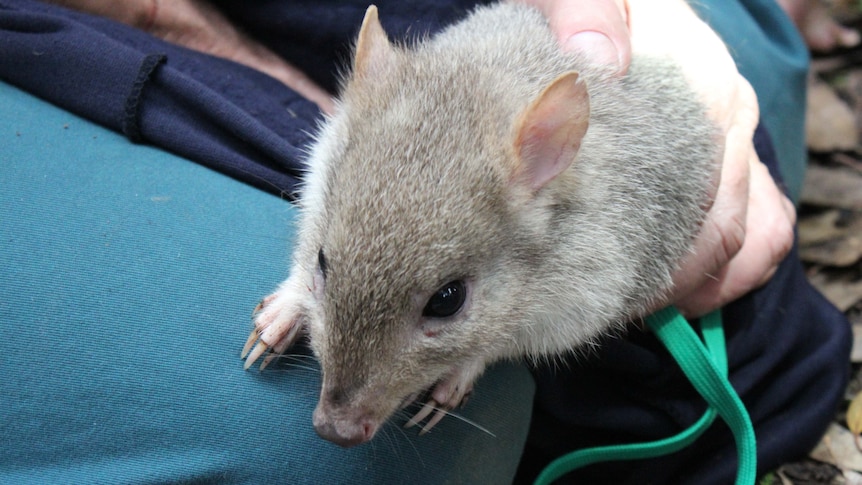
446,301
321,262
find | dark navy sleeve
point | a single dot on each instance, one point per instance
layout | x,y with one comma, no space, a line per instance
218,113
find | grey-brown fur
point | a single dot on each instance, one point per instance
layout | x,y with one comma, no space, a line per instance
411,185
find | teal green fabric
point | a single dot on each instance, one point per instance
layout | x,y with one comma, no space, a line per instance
128,280
771,54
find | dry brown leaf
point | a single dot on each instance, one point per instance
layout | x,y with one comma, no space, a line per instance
830,124
818,228
841,252
839,187
838,447
839,289
832,238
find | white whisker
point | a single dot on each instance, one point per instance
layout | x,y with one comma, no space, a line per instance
449,413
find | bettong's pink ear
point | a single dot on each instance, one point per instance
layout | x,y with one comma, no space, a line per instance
548,133
373,52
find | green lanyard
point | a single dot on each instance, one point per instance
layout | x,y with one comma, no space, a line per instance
706,368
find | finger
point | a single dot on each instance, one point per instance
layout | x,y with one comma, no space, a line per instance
723,231
596,28
769,238
772,218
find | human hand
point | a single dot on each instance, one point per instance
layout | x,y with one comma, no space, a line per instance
749,226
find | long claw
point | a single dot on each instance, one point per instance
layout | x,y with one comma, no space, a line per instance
422,414
408,401
252,338
433,421
286,341
269,358
262,303
258,350
258,307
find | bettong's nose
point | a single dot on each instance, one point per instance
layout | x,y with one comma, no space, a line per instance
343,431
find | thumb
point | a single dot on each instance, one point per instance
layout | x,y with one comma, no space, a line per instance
598,29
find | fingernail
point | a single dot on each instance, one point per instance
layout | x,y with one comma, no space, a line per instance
597,48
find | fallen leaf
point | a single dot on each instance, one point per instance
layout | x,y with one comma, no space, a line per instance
839,187
841,251
838,447
818,228
830,124
831,238
838,288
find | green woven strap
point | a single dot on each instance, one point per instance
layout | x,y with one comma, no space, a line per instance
706,368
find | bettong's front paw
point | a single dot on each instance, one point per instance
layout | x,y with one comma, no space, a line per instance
277,325
449,393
